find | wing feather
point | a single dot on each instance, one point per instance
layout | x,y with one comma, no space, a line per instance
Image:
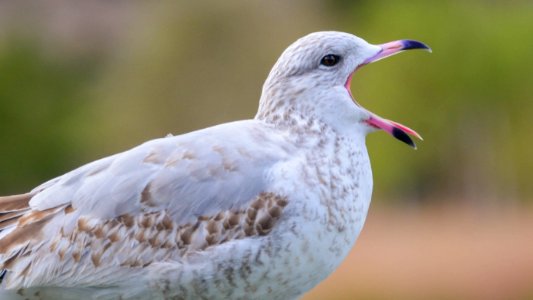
177,179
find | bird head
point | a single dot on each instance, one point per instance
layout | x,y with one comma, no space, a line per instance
312,79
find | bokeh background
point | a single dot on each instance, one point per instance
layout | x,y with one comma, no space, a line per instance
80,80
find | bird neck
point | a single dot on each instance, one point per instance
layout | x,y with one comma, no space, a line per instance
310,110
283,103
285,112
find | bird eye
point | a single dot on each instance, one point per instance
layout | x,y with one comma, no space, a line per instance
330,60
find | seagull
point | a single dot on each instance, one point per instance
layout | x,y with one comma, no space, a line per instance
254,209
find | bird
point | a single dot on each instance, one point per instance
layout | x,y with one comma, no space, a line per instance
264,208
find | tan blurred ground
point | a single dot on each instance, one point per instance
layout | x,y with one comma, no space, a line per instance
444,253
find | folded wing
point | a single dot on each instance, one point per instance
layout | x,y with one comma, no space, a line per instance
154,202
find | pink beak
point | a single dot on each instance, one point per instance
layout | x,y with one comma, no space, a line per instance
399,131
391,48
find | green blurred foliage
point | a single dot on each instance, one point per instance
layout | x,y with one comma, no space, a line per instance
470,99
177,66
39,96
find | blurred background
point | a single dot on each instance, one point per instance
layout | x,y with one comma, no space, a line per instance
80,80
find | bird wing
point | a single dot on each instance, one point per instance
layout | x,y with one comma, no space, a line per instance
163,198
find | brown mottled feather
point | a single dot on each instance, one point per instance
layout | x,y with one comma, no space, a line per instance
12,208
153,231
29,228
15,202
9,216
23,234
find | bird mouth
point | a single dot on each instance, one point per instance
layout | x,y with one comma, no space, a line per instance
397,130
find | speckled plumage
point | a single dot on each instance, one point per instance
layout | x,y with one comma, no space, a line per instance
256,209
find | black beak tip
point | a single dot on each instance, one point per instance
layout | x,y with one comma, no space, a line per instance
412,44
404,137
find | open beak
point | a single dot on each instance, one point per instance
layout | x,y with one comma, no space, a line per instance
397,130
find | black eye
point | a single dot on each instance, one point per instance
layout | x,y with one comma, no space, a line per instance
330,60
